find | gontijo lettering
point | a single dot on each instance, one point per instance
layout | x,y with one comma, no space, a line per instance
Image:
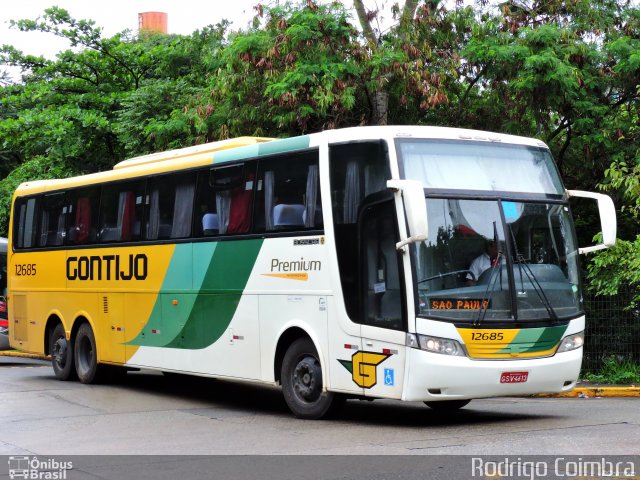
108,267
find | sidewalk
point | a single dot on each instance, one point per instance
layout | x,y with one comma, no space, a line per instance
591,391
15,353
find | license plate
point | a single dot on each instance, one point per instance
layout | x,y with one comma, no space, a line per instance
514,377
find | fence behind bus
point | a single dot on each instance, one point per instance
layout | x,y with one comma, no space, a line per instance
613,330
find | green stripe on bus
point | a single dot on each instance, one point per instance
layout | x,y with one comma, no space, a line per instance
220,294
285,145
195,316
177,279
240,153
536,339
261,149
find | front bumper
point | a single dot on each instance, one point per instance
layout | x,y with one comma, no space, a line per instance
433,377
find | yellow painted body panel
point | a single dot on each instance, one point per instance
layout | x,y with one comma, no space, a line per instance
117,309
495,343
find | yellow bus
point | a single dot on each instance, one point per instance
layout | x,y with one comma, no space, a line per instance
411,263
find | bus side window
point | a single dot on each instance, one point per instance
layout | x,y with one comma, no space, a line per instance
382,280
25,226
224,200
121,207
170,206
289,193
355,170
53,220
84,219
207,221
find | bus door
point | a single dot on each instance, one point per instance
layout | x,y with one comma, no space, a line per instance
383,304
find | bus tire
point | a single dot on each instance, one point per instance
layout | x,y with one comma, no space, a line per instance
447,405
61,351
302,385
86,355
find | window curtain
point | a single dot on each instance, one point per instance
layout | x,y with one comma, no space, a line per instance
83,220
374,180
44,228
60,232
268,200
351,192
126,214
311,197
182,210
240,211
153,227
223,206
28,223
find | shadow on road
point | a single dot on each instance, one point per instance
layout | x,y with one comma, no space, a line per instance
245,399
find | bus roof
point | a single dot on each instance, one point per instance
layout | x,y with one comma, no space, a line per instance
191,151
250,147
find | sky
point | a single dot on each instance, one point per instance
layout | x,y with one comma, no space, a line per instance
184,17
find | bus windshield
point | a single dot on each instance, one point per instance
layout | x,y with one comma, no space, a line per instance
456,165
493,260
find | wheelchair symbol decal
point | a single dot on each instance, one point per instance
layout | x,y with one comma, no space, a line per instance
389,377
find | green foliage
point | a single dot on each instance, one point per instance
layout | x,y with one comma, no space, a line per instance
616,372
612,269
37,168
296,72
565,72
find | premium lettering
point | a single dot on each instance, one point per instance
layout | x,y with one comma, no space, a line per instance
108,267
301,265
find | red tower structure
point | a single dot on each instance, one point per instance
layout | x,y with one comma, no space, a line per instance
152,22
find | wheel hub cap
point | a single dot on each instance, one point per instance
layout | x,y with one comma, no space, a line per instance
307,379
60,352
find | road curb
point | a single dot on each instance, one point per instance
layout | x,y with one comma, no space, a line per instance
14,353
590,392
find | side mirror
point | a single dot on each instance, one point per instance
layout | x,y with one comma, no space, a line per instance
415,207
607,219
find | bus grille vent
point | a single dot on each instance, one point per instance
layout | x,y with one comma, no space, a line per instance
105,304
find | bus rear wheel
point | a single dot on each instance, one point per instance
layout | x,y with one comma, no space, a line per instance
86,357
61,351
447,405
302,386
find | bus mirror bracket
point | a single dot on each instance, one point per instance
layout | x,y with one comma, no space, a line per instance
607,214
415,207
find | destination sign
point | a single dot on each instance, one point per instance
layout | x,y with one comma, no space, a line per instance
459,303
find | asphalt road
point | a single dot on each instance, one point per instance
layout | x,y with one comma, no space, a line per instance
149,414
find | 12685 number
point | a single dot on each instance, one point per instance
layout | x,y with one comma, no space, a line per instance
25,269
487,336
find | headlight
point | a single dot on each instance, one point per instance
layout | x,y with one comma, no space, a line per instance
445,346
571,342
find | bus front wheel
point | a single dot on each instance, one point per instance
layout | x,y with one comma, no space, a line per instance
302,386
86,356
61,351
447,405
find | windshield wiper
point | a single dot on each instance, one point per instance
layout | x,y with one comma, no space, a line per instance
524,266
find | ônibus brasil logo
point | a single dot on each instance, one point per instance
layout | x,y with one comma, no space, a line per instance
36,469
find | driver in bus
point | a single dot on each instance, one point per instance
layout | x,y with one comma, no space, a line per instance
482,262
